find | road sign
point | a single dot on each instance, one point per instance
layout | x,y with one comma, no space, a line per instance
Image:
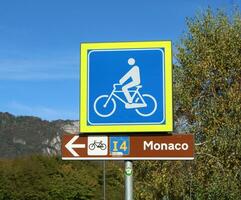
172,147
120,145
126,87
97,146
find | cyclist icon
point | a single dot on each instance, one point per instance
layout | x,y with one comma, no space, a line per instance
134,75
144,104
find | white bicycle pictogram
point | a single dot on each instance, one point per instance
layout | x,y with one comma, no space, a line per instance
144,104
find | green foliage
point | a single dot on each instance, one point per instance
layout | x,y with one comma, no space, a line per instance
115,180
49,178
207,86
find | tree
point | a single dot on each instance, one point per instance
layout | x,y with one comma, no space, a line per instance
207,86
40,177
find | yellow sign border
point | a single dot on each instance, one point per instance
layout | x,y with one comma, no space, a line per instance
85,128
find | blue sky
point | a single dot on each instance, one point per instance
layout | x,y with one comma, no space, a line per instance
39,44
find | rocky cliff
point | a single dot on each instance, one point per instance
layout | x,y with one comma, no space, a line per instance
24,135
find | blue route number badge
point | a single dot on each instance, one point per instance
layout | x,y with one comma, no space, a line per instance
119,145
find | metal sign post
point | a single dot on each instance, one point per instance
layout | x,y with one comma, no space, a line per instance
128,180
104,184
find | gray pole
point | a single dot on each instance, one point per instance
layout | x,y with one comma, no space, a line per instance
128,180
104,179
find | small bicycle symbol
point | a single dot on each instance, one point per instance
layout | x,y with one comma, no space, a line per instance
144,104
99,145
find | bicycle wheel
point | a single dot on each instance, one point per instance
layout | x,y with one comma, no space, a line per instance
150,108
103,147
102,109
92,146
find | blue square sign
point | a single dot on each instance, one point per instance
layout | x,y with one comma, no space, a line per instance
127,87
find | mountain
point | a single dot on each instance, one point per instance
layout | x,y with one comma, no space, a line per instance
25,135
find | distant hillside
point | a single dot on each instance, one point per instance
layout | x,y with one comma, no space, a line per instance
25,135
